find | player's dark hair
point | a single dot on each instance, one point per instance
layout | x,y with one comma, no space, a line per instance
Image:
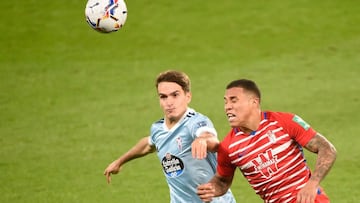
247,85
177,77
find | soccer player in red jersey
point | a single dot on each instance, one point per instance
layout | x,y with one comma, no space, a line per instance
267,147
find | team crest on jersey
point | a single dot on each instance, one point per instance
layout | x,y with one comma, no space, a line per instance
271,136
172,165
179,143
301,122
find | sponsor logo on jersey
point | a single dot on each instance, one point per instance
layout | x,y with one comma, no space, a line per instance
172,165
266,164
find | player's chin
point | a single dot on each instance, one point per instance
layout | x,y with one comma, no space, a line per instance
172,117
233,124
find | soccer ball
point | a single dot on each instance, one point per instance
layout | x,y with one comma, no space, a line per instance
106,16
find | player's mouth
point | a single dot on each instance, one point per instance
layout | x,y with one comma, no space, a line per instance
230,116
170,110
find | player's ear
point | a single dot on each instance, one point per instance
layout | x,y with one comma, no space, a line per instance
254,100
189,95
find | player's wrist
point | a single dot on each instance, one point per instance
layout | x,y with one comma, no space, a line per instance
313,182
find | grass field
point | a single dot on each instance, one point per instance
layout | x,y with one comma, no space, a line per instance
72,100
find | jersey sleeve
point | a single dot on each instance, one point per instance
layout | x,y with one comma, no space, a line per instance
224,167
151,141
298,129
203,124
154,127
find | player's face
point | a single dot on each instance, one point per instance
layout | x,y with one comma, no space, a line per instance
238,106
173,100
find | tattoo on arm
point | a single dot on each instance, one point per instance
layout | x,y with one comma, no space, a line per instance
326,156
222,184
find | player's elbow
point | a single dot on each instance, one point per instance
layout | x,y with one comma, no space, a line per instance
332,151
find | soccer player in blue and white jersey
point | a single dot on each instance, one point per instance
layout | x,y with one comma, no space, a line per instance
185,141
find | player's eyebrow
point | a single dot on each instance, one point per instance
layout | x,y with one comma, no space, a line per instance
230,98
171,93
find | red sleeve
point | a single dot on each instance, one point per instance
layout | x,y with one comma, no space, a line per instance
225,167
297,128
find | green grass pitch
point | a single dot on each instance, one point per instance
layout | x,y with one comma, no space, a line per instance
72,100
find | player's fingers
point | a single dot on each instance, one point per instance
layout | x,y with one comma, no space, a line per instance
202,149
199,153
302,199
193,151
107,175
206,192
199,149
108,178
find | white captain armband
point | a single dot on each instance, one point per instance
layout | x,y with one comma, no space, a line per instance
201,130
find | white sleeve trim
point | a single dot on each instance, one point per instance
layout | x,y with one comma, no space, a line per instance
205,129
150,141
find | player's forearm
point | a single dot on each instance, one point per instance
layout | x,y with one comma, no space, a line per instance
221,184
325,159
141,149
324,162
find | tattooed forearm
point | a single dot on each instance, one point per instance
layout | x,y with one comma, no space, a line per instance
326,156
222,184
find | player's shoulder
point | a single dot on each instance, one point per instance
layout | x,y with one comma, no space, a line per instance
195,120
192,114
278,115
157,124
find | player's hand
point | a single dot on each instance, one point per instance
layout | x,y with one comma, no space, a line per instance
113,168
206,192
199,148
308,193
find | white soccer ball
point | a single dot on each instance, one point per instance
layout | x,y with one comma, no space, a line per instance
106,15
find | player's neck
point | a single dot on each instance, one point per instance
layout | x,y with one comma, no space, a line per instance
171,123
253,123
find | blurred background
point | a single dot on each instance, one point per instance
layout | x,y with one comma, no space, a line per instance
72,100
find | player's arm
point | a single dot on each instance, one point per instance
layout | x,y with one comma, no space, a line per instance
326,156
217,186
140,149
204,142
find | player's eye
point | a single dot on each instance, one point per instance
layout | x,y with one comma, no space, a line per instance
175,94
234,99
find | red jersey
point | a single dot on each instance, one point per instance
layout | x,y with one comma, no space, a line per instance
270,158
